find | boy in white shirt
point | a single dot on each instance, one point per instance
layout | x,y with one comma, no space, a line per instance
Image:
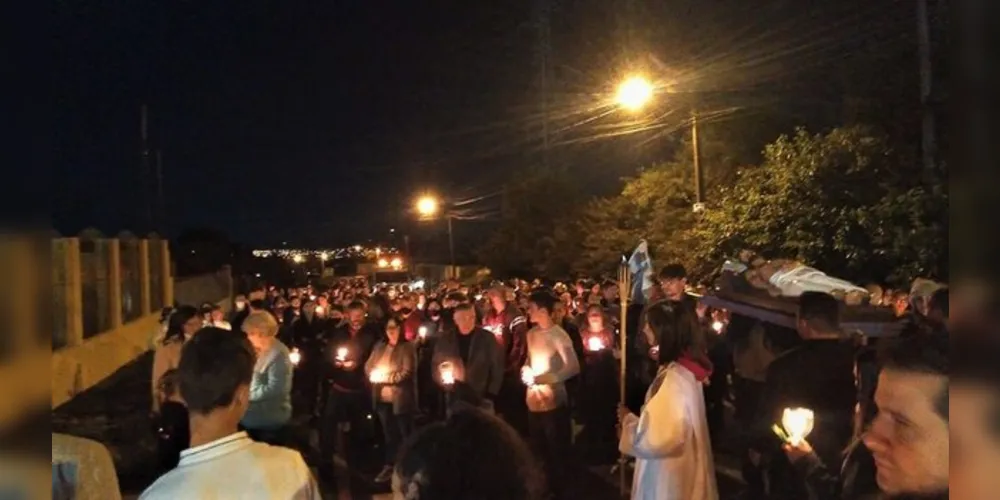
214,375
551,361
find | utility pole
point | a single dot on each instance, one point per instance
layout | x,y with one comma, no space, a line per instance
544,55
929,143
144,163
451,242
699,177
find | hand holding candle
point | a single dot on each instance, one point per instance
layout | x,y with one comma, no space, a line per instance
379,376
447,373
797,424
528,376
595,344
295,356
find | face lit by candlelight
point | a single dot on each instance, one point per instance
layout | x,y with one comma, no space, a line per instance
909,438
595,320
392,329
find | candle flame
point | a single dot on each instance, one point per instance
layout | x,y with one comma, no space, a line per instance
378,375
295,356
798,422
422,332
341,354
718,326
595,343
528,377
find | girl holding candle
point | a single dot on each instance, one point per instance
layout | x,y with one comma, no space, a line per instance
598,392
670,439
391,369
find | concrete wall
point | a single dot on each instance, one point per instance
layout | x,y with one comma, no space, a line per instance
78,368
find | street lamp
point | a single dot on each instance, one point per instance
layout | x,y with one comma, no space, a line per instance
428,207
634,93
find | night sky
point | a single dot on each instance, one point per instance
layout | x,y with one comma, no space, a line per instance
317,122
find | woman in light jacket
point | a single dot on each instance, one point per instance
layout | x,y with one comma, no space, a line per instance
391,370
670,439
271,387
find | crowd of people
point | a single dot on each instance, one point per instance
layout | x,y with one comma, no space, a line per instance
465,389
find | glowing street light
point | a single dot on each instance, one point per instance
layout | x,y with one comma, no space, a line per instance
298,258
428,206
634,93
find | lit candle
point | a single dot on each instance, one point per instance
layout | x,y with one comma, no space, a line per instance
295,356
718,326
798,422
595,343
447,373
378,376
342,354
422,332
528,376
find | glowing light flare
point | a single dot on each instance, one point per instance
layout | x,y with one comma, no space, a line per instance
634,93
718,326
528,376
295,357
396,263
422,332
427,206
324,256
379,376
298,258
342,354
798,423
447,373
383,263
595,344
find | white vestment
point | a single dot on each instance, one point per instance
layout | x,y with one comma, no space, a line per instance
670,441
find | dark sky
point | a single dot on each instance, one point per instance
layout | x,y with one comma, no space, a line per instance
276,117
317,122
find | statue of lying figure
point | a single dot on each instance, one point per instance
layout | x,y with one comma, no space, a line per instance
789,278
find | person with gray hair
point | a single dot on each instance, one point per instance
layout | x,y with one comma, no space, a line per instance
271,387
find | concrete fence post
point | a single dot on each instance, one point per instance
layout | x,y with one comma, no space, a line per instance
145,301
73,291
115,282
167,275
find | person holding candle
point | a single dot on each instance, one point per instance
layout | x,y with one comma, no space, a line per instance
816,372
551,361
348,399
509,326
391,371
474,361
670,438
598,390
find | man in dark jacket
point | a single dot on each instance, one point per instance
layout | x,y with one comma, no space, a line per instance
348,398
510,328
818,375
475,358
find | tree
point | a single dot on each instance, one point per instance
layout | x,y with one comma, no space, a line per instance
841,201
655,205
536,218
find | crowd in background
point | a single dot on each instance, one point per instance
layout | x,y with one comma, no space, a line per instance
534,369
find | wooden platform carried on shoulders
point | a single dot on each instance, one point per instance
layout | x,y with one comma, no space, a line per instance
872,321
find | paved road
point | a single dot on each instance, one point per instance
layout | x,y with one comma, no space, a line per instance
115,413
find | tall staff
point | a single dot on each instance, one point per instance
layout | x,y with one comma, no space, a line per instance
624,289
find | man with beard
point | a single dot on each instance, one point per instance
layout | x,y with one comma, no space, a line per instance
509,326
348,401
